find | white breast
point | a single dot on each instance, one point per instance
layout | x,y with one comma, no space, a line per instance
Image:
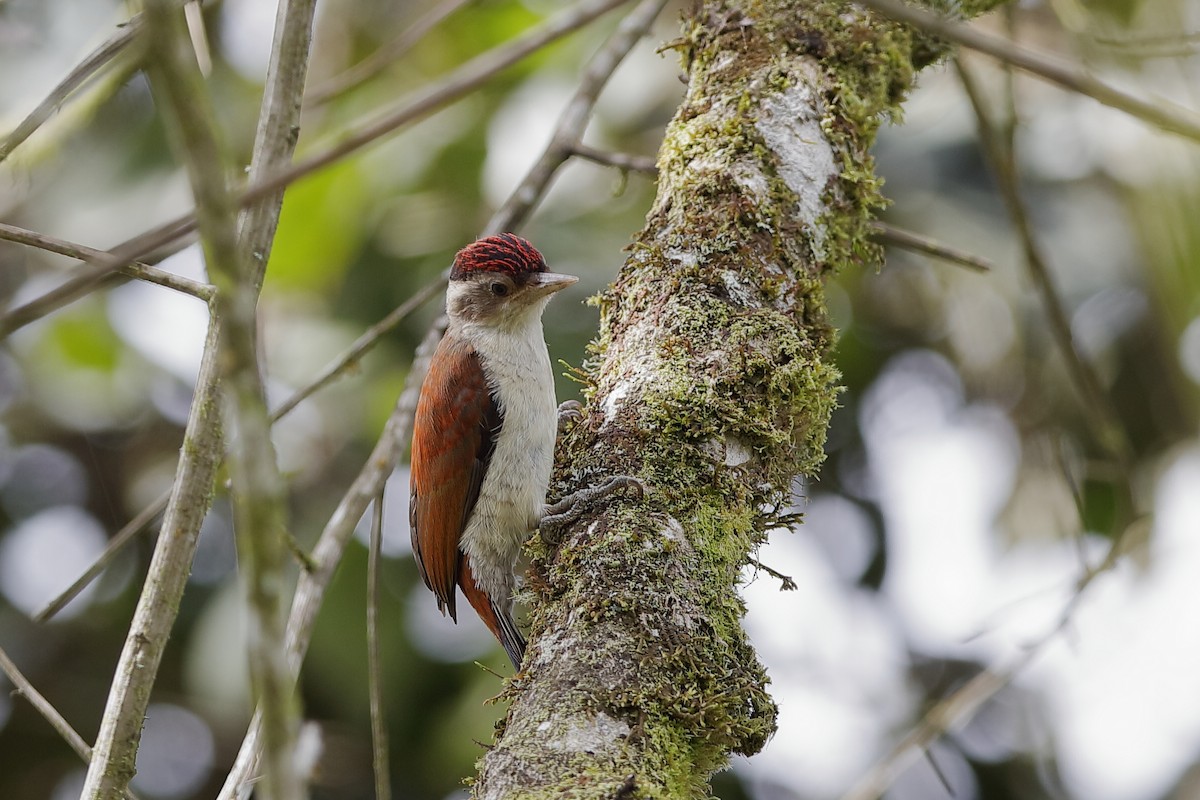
514,488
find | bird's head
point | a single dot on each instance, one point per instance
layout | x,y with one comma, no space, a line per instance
501,281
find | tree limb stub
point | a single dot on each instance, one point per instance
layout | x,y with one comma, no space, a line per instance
712,382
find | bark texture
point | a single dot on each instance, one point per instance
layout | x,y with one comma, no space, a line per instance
711,380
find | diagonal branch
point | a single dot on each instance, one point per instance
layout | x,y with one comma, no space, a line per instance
137,269
568,132
114,46
23,687
958,708
920,243
1096,404
456,85
622,161
382,58
1159,112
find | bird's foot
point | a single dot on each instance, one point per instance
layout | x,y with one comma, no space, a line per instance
569,412
569,509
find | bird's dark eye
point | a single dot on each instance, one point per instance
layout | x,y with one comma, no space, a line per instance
499,289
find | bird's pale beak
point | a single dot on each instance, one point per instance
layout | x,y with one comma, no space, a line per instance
544,283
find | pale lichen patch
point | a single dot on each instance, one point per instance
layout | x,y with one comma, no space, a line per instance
597,735
736,453
790,125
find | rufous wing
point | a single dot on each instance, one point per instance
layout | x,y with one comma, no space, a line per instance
453,440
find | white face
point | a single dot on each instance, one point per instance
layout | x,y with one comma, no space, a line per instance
499,300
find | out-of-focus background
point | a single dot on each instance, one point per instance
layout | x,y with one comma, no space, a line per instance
965,492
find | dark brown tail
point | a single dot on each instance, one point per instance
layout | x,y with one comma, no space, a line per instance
497,616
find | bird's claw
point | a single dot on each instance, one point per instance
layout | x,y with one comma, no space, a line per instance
570,411
570,508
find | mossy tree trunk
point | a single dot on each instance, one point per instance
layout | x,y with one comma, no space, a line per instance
712,382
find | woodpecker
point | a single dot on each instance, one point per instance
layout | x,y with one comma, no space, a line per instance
484,432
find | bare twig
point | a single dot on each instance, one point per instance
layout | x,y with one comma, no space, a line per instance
379,737
947,714
362,345
24,688
144,272
382,58
1160,113
95,61
920,243
1096,404
786,582
115,545
101,268
622,161
573,121
459,83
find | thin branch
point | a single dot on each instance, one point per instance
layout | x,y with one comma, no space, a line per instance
786,582
138,270
310,591
362,345
96,274
278,131
920,243
622,161
115,545
568,132
457,84
382,58
379,737
1096,404
23,687
463,80
1160,113
93,63
946,715
1165,45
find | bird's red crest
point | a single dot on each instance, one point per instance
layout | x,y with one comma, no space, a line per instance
503,252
